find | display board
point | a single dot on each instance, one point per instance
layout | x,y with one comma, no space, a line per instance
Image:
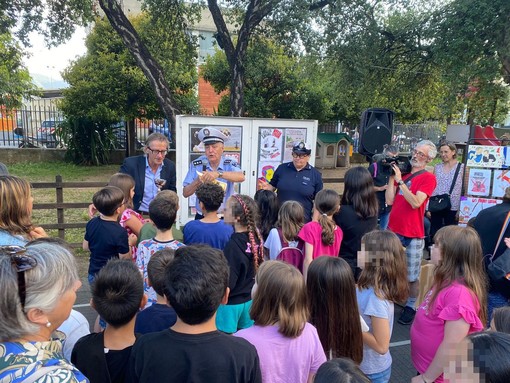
257,145
486,178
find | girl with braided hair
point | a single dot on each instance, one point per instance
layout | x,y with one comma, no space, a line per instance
322,236
244,253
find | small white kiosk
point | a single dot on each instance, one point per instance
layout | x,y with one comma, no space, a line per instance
258,145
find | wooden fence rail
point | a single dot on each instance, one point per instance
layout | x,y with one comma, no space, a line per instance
60,205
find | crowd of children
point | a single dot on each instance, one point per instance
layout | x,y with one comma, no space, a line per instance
276,283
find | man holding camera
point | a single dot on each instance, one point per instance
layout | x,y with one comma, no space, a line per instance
409,194
381,172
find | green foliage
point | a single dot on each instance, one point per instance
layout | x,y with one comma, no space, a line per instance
277,84
15,81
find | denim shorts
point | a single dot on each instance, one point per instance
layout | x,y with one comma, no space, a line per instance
380,377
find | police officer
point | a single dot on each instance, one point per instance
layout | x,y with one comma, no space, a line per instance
296,180
211,167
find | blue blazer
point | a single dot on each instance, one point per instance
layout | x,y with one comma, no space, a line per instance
135,167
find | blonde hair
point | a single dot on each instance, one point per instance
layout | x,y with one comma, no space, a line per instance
280,298
125,183
15,214
327,203
291,218
385,268
462,262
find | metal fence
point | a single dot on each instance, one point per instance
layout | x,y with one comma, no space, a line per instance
35,127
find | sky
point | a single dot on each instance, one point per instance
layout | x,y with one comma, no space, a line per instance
50,62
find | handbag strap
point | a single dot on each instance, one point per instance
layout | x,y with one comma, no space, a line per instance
454,178
502,232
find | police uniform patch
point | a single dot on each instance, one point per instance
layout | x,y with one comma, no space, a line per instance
197,162
231,162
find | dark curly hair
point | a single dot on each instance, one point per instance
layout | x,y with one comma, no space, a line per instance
211,195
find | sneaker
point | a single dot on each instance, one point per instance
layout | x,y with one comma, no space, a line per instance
407,315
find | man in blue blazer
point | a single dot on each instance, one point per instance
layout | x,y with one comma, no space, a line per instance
152,172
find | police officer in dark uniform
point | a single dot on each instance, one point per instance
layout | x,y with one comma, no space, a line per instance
297,180
212,167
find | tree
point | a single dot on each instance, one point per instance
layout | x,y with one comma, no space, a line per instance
277,83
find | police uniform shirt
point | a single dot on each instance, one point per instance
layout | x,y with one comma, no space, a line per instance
300,186
201,164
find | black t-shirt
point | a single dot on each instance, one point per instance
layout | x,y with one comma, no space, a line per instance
381,175
353,227
211,357
107,239
117,362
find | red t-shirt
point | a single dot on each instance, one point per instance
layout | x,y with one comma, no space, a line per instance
405,220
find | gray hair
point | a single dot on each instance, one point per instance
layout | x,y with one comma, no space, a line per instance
54,274
156,137
432,148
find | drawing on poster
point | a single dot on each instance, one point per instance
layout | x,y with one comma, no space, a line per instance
486,156
232,143
266,170
471,206
271,145
292,136
501,181
506,150
236,157
479,182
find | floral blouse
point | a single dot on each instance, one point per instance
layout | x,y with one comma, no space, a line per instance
18,361
444,182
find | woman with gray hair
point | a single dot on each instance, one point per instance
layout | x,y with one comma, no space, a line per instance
38,285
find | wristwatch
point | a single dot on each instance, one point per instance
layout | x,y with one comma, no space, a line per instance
401,182
220,173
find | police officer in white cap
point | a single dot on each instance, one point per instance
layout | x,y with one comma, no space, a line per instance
212,166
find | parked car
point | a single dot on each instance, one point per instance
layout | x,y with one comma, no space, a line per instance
46,134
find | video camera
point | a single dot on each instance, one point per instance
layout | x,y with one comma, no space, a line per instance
402,162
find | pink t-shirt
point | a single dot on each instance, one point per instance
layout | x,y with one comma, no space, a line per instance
311,233
126,215
285,359
427,332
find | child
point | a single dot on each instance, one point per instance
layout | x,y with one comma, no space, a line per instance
291,219
209,230
289,348
193,350
160,315
334,309
382,282
117,295
130,219
267,203
104,237
162,212
501,319
244,253
340,370
322,236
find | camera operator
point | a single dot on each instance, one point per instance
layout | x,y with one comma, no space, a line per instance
409,195
381,171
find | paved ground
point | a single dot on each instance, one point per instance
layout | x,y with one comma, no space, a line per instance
402,370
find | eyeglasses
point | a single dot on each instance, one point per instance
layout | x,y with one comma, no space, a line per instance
295,155
156,152
22,263
420,154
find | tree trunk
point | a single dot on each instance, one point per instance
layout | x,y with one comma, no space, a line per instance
149,66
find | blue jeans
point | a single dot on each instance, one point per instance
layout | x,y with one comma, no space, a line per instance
380,377
384,218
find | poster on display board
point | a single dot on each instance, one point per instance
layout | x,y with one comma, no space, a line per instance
471,206
276,148
485,156
243,145
501,180
479,182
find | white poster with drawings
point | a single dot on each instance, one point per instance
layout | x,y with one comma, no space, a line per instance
501,181
471,206
292,136
479,182
271,145
266,170
485,156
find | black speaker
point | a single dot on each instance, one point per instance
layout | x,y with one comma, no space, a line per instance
376,130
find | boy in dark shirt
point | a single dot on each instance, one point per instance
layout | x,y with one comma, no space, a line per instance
193,350
117,295
104,236
160,315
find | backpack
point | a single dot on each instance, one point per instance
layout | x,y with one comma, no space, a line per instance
291,255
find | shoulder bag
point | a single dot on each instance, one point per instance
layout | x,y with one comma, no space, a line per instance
442,202
498,269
